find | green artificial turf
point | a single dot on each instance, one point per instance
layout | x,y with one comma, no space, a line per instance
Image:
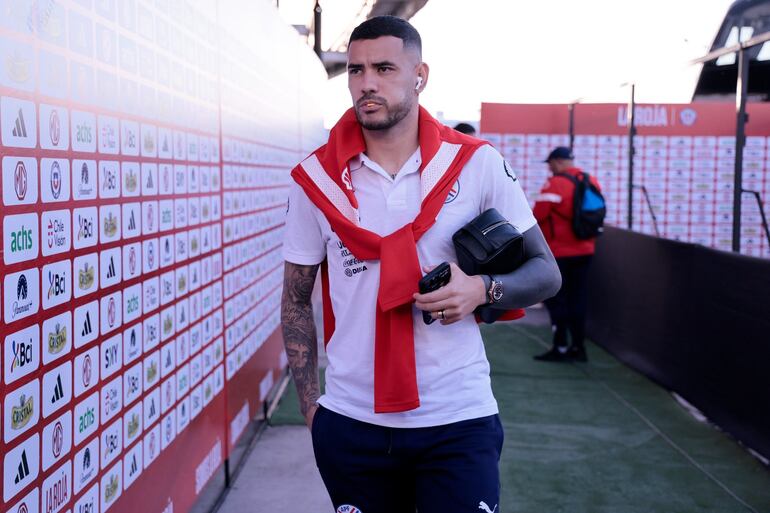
598,437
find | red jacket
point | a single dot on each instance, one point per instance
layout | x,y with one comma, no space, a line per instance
553,211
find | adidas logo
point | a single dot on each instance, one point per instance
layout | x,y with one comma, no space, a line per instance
23,468
58,391
132,222
150,183
111,269
134,466
20,130
87,325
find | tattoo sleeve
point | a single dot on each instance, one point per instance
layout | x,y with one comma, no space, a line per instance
299,331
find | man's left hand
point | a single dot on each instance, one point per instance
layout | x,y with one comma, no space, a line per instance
456,299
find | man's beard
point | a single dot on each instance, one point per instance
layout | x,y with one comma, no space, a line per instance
394,115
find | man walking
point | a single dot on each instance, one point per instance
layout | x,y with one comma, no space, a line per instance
408,420
554,211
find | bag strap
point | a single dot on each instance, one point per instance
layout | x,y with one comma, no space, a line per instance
476,233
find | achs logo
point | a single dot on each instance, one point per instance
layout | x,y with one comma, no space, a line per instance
131,181
21,240
21,414
83,134
86,230
20,180
110,225
54,127
688,116
86,421
57,339
55,179
57,285
56,236
111,489
86,276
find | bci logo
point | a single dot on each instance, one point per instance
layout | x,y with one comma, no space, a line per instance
57,285
22,354
86,230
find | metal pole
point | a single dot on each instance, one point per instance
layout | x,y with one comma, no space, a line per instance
740,140
631,151
571,109
317,29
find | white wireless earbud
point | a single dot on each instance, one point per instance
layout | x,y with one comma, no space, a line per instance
419,83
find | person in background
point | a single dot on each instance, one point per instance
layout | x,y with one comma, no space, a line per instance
554,212
466,128
408,420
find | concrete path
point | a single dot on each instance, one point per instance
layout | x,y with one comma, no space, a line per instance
279,475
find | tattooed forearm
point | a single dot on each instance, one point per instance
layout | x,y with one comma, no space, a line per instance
299,331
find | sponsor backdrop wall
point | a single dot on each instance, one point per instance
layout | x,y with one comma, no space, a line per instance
684,157
145,155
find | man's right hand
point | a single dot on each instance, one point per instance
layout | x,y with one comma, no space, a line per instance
310,415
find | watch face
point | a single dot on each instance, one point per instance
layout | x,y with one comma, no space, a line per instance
497,291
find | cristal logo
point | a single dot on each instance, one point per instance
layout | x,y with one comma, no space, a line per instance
57,339
20,180
55,179
133,426
56,233
149,143
86,276
86,230
58,439
111,489
110,225
152,372
57,285
83,134
21,240
54,127
131,181
22,354
86,420
21,414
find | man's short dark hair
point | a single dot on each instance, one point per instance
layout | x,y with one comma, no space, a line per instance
380,26
465,128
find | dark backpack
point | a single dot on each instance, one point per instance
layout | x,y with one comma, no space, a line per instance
588,207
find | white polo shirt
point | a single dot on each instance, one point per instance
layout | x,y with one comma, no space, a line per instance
452,368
